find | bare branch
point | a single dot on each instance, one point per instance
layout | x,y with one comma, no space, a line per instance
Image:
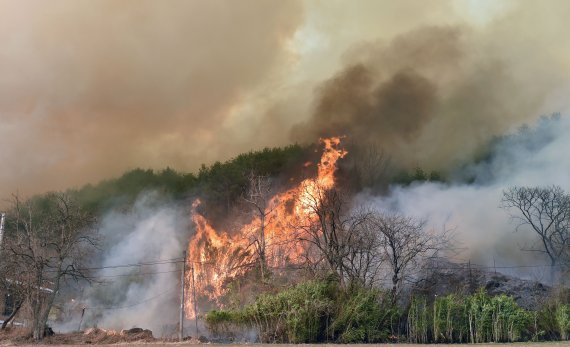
546,212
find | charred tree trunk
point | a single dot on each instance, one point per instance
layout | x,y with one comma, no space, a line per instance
262,253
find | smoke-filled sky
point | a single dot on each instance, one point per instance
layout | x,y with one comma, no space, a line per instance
89,89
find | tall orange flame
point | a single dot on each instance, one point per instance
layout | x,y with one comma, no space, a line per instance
218,256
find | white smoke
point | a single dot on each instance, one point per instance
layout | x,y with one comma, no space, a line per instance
137,296
470,205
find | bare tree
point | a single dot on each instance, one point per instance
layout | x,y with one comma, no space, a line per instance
370,165
364,258
546,210
406,244
47,241
258,196
342,237
11,283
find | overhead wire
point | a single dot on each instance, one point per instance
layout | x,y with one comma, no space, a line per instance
134,274
158,262
132,305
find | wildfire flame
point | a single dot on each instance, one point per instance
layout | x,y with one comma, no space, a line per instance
217,255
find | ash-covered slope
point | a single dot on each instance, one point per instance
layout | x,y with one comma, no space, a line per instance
446,278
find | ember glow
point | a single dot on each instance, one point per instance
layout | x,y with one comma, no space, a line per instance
220,255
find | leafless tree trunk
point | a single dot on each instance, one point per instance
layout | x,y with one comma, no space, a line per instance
406,243
10,277
370,165
48,240
258,196
546,210
341,235
365,259
7,321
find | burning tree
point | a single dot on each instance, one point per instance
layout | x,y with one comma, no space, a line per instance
258,195
220,255
343,238
46,242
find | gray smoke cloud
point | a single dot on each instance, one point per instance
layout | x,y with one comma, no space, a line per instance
534,156
141,296
91,89
428,96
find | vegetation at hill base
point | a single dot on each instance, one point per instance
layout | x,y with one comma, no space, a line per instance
321,311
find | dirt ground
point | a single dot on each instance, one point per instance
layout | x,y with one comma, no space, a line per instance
157,344
140,337
93,336
540,344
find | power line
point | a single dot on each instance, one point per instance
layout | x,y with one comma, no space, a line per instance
159,262
511,267
132,305
134,274
291,267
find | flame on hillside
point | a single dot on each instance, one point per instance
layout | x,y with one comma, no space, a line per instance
220,255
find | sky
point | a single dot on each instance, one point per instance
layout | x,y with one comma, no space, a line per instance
90,89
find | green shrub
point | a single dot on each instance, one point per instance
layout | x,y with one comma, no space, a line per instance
418,318
476,318
562,315
297,315
314,311
365,315
496,319
450,323
223,322
321,311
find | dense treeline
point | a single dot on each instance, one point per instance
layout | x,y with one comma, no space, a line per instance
322,311
221,183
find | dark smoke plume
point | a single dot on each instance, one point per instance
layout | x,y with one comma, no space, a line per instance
425,97
91,89
394,110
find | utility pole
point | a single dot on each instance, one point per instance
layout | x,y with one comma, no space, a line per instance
194,300
182,284
81,320
2,219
